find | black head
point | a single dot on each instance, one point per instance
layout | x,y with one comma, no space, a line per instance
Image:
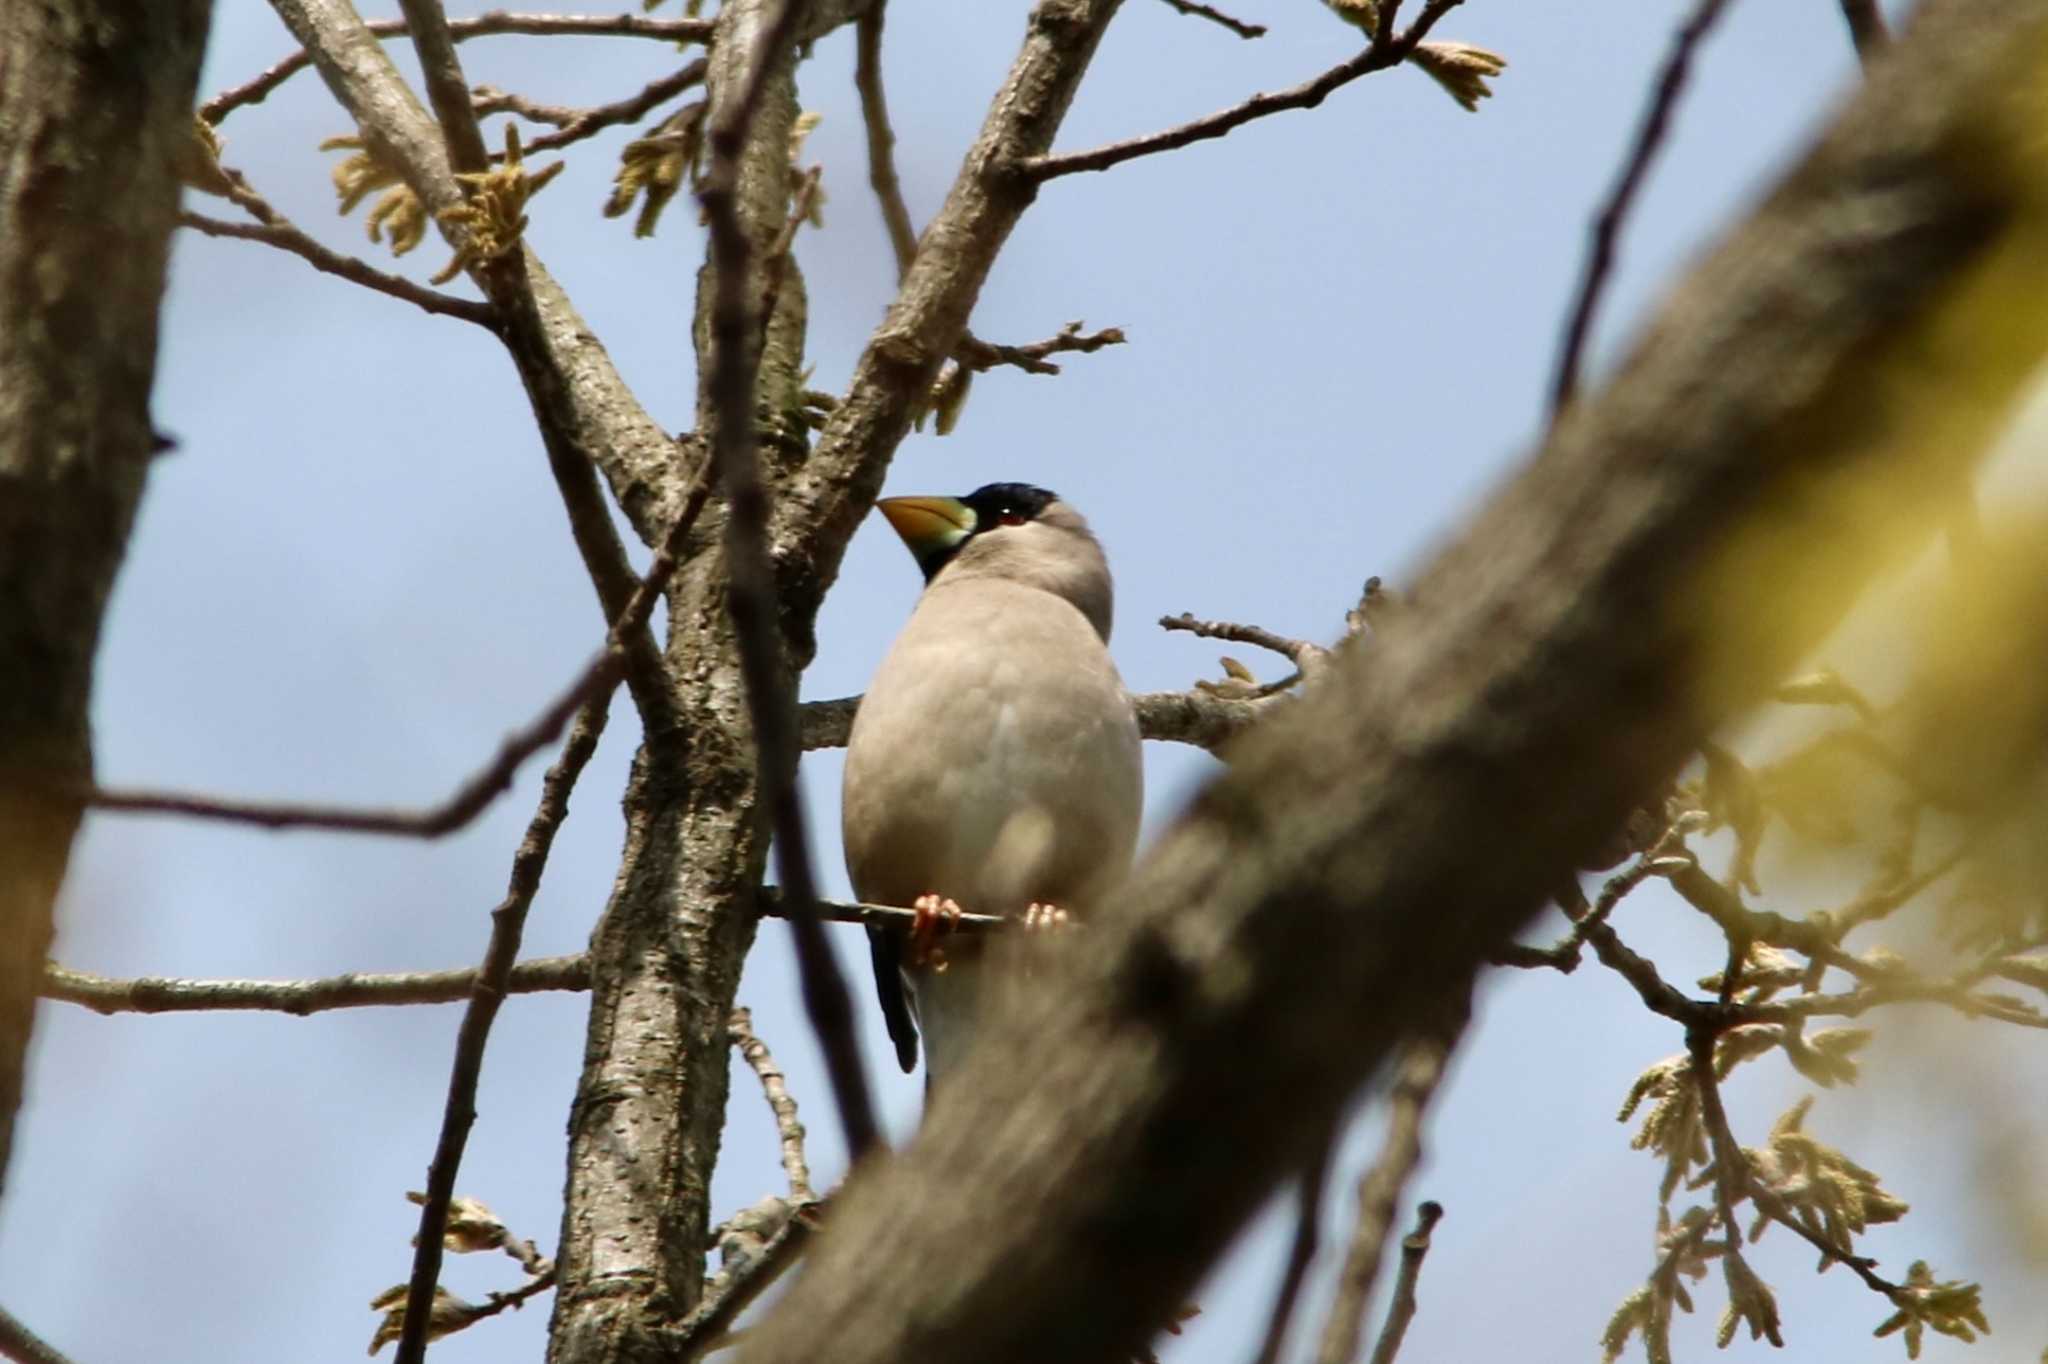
936,529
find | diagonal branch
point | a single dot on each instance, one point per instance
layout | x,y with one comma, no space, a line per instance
508,926
1217,16
588,418
1379,56
1866,28
775,1088
1421,1071
286,237
874,112
1650,134
592,687
461,30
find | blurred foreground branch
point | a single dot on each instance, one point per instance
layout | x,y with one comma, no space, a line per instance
1600,616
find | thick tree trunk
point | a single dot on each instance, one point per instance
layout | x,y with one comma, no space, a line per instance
666,956
96,105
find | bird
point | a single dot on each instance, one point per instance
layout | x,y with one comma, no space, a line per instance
994,764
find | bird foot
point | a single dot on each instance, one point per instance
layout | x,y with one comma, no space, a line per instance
1041,918
935,913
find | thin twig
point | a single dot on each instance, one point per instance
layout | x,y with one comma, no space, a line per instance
1420,1071
285,237
1866,28
1217,16
1293,650
473,796
1650,133
467,801
508,925
461,30
590,122
981,356
19,1343
735,366
775,1088
1308,1235
874,113
1401,1311
1377,57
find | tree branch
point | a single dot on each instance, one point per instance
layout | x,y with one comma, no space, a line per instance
584,123
1414,1246
1650,134
350,990
286,237
1421,1070
1585,623
1379,56
19,1343
1217,16
508,926
461,30
874,113
588,418
775,1088
1866,28
751,595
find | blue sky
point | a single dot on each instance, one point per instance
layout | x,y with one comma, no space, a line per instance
354,577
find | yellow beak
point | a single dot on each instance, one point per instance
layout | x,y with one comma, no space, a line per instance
927,524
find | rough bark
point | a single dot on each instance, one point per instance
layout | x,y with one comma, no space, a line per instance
95,113
1836,365
666,956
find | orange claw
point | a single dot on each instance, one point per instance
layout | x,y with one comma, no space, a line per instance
934,913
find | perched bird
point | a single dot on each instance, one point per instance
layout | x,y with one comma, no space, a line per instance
994,763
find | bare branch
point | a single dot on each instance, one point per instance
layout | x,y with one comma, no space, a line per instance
1414,1246
461,30
775,1088
592,687
1650,133
874,112
735,365
286,237
587,417
1377,57
1217,16
508,926
1866,28
464,804
1421,1070
19,1343
590,122
980,355
350,990
1308,1235
1294,651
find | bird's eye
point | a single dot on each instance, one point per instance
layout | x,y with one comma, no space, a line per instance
1008,517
